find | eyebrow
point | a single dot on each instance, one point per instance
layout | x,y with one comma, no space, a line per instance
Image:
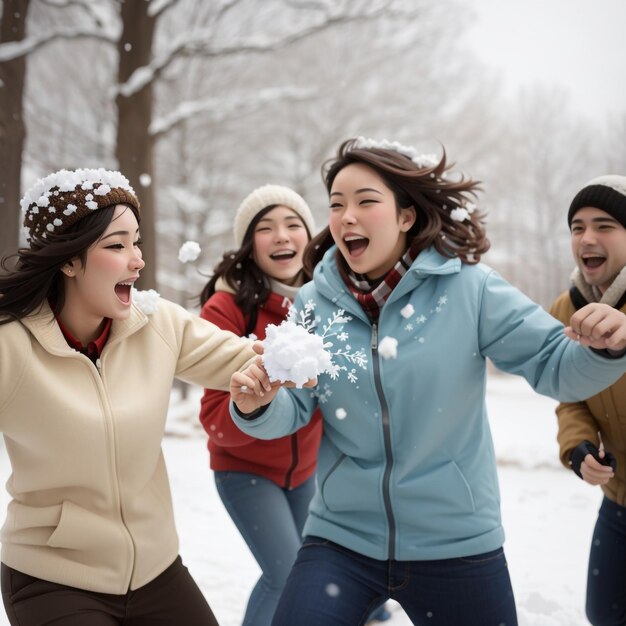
287,217
363,190
117,232
610,220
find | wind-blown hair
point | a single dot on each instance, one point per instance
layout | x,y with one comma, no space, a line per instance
240,272
35,273
445,214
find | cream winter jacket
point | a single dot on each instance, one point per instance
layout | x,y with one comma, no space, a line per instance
91,503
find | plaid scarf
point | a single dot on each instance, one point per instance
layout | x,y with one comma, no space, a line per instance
372,295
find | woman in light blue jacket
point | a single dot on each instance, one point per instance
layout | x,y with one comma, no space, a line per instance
408,505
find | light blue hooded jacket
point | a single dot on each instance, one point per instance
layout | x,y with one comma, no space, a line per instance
407,468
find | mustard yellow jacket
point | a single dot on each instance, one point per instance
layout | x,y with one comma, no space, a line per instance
604,413
91,504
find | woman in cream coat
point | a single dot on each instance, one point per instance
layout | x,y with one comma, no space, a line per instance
85,377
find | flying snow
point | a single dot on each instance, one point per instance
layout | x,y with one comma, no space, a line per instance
189,251
145,180
341,414
147,301
407,311
388,347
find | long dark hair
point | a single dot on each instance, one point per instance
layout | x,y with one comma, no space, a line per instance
33,275
242,274
428,189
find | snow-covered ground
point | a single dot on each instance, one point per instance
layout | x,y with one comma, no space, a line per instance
548,512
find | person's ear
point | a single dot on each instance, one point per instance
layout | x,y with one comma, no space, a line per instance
407,218
69,269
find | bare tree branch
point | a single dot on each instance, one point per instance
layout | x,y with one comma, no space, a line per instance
12,50
223,109
158,7
201,45
87,6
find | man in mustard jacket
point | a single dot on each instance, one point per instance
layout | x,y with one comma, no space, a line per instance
592,433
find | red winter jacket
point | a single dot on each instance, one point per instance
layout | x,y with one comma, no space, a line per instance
287,461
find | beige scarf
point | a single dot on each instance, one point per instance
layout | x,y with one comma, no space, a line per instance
591,293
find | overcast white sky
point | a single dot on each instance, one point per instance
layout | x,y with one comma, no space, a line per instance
577,43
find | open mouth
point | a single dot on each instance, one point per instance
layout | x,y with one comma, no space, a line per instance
283,255
592,262
356,244
122,290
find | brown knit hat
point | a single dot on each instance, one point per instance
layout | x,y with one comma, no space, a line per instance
59,200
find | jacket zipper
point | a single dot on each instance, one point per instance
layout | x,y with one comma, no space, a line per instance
387,438
294,460
114,468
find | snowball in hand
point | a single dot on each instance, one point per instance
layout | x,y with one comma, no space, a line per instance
189,251
388,347
293,354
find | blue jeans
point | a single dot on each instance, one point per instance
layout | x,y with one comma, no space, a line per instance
330,585
270,519
606,577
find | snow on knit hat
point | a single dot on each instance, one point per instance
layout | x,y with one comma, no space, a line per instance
59,200
607,193
263,197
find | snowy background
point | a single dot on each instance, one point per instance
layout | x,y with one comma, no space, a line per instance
548,513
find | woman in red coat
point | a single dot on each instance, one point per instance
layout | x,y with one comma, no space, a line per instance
266,486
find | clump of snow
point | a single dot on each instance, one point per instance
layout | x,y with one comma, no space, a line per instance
68,180
147,300
421,160
407,311
459,214
341,414
388,347
293,354
189,251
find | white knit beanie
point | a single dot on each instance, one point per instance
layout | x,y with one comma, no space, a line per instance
265,196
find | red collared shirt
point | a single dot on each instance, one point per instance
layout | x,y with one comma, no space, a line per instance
94,348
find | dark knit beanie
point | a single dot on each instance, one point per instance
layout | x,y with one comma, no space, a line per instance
607,193
59,200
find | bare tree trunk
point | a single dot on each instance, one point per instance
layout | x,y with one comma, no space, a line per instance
12,128
134,146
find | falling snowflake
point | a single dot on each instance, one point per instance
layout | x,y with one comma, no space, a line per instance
421,319
341,414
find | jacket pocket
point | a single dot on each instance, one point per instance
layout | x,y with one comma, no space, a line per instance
439,496
30,525
80,529
349,486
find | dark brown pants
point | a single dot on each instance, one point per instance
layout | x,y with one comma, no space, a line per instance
171,599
